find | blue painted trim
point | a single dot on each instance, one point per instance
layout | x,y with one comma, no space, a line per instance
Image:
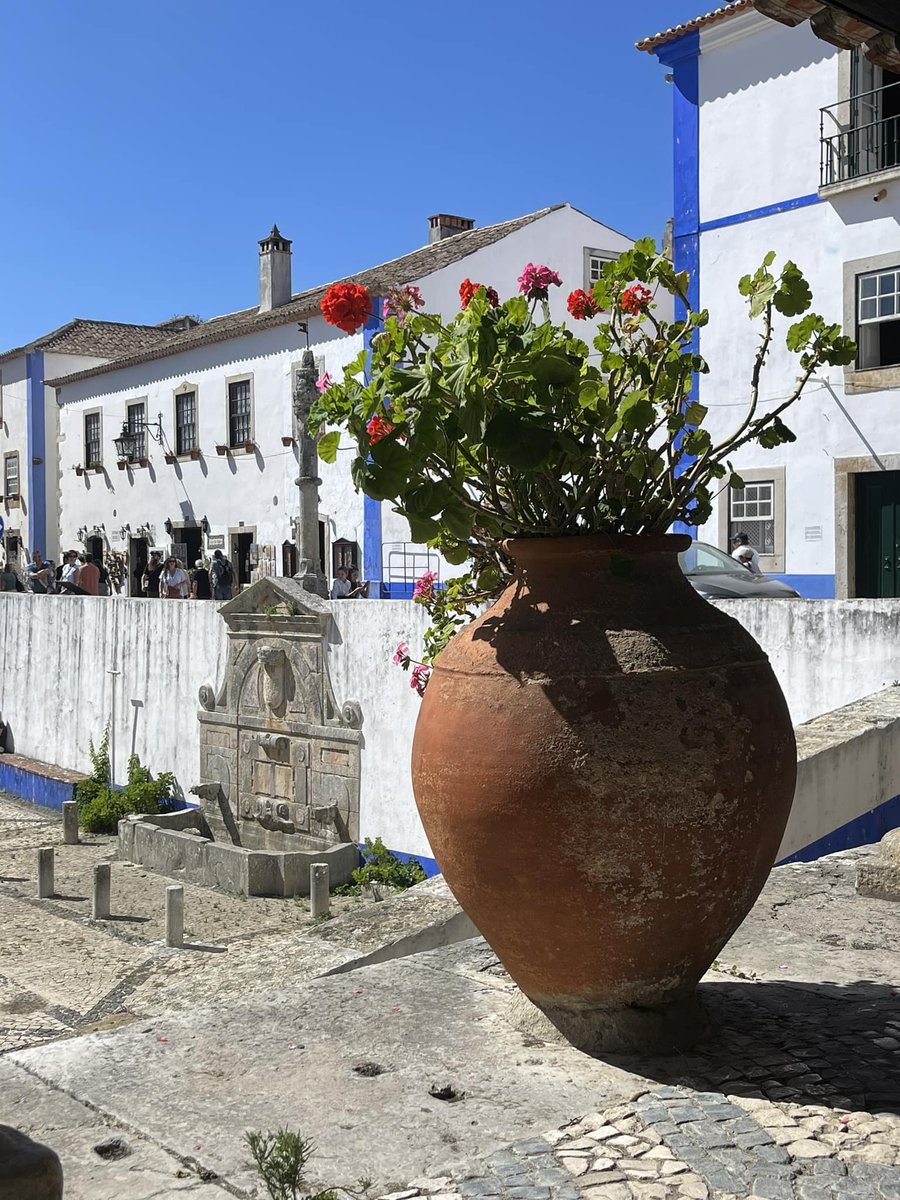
756,214
372,564
37,472
811,587
35,788
683,56
861,831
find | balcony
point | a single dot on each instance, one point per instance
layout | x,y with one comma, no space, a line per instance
859,137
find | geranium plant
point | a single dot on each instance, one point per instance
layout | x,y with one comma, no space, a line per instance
499,423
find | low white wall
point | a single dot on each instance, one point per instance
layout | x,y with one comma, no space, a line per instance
55,652
826,653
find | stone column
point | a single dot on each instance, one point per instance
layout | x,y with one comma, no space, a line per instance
45,885
309,571
175,915
70,822
100,899
319,893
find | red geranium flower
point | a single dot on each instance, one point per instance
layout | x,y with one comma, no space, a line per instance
378,428
635,298
347,305
581,305
467,290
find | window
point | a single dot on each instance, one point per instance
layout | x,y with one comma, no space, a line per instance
593,265
860,134
878,319
240,428
137,421
185,422
11,476
753,512
93,455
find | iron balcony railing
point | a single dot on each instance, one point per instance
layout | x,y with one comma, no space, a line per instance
856,139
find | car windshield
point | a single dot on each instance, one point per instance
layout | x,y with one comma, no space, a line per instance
703,559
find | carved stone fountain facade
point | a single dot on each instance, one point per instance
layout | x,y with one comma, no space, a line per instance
279,759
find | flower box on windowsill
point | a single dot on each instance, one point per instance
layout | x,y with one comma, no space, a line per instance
97,470
249,447
121,463
143,462
286,440
194,454
221,449
171,459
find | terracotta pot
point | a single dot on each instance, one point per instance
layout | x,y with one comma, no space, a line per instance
604,764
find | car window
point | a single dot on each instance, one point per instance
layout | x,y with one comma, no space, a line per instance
703,559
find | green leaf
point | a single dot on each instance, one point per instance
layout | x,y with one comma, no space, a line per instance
695,412
555,370
456,554
422,529
793,295
328,446
517,444
427,499
458,519
735,481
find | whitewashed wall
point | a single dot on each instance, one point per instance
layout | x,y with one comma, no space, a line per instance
14,437
761,86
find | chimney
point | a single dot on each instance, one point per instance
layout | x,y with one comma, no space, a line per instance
442,225
274,271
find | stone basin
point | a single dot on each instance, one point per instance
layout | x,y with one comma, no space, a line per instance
184,846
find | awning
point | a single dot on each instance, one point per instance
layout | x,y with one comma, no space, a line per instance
873,25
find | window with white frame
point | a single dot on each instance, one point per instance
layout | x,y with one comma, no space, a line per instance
878,318
93,449
185,422
593,265
752,511
11,476
240,428
137,427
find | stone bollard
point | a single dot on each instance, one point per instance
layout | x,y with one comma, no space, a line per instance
28,1170
174,915
70,822
319,892
100,901
45,872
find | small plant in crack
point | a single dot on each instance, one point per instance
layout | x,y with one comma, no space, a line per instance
280,1159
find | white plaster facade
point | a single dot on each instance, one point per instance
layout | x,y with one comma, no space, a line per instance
254,493
760,88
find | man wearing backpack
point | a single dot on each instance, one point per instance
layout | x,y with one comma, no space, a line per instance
222,576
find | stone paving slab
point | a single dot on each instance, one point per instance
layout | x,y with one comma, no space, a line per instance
144,1172
205,1076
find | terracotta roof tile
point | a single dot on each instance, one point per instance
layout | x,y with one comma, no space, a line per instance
677,31
105,339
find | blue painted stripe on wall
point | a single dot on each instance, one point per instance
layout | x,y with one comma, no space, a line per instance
755,214
861,831
37,472
811,587
36,789
372,565
683,56
428,865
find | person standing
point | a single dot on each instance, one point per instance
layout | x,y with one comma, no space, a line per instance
88,577
8,579
222,575
340,589
201,588
40,575
174,582
103,582
150,578
744,553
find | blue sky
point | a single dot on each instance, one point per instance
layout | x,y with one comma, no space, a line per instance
148,146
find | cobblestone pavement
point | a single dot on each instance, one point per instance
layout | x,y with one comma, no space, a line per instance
794,1096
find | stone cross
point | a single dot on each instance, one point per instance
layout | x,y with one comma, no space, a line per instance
309,570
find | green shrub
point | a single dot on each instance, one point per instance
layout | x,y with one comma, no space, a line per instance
102,808
381,866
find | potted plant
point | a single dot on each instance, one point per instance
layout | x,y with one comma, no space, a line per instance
603,762
171,458
249,446
195,454
79,470
287,440
121,463
221,449
97,468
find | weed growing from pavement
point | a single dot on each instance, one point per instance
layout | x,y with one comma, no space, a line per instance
280,1159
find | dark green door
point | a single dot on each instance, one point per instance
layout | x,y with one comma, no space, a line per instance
878,534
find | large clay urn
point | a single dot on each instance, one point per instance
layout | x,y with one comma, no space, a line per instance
604,765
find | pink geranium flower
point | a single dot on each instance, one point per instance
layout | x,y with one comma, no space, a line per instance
401,653
398,302
424,589
420,676
536,280
323,383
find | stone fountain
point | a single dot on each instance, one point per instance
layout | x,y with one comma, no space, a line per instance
279,759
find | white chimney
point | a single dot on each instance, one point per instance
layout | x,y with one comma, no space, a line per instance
274,271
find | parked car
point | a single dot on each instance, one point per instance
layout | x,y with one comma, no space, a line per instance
718,576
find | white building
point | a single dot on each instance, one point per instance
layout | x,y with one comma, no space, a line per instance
786,142
216,466
28,422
